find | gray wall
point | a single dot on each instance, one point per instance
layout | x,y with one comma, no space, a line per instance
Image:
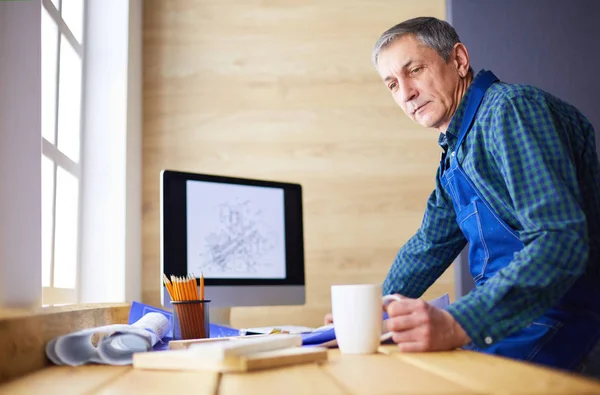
20,154
552,44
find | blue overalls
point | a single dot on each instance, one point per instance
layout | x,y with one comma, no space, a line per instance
565,333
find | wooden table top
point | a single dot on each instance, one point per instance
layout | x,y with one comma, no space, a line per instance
388,372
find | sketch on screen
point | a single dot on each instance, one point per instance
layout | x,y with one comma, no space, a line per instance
237,235
240,242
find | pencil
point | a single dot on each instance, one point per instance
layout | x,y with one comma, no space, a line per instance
184,289
168,285
202,307
190,288
195,285
190,310
175,281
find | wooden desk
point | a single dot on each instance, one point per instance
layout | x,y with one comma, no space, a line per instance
457,372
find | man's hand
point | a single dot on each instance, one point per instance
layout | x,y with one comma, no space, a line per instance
328,319
418,326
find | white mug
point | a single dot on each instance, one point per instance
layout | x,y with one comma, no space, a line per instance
357,317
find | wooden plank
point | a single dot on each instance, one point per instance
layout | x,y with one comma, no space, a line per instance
25,333
245,347
64,380
293,380
382,374
287,357
162,383
183,344
181,360
496,375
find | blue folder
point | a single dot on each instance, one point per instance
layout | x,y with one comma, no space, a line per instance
138,310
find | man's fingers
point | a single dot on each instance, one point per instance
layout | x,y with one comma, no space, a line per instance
407,336
411,347
328,319
406,306
397,308
402,322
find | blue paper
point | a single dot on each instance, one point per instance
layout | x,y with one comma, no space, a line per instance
138,310
316,338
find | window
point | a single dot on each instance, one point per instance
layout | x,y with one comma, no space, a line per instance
62,64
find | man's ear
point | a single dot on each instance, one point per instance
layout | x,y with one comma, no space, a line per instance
461,59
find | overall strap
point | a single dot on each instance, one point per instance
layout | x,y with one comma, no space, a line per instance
480,85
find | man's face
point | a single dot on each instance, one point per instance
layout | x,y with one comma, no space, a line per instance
421,82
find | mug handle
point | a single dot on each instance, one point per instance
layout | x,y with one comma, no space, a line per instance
385,300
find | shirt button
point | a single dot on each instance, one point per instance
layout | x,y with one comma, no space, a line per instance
488,340
452,153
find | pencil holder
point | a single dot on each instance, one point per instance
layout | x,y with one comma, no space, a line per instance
191,319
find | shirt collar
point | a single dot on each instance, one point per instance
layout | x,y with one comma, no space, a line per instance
451,135
443,141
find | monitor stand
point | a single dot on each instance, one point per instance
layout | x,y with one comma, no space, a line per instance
220,316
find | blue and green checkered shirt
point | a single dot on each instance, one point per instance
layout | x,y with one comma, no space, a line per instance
533,158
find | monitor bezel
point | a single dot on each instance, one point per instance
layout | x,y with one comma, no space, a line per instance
174,227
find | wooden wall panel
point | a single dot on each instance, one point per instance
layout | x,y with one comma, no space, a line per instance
284,90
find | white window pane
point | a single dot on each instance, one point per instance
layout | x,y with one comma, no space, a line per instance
69,100
72,14
56,4
49,59
65,246
47,218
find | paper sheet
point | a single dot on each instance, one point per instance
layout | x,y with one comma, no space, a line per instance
116,346
292,329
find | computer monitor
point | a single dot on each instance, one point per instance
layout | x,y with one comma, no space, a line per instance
245,236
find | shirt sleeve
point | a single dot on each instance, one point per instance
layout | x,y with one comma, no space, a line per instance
531,151
430,251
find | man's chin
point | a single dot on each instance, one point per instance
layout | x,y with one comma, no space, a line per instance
428,122
425,121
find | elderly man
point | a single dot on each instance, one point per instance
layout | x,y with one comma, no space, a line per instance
519,181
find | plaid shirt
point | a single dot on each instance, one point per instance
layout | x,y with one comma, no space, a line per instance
533,158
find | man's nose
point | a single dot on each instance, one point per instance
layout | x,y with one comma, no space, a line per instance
407,92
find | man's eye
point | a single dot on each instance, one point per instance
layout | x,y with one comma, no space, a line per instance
416,70
392,86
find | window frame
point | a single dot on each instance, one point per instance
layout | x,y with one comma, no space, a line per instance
52,295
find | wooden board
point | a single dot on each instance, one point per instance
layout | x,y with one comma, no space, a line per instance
181,360
244,347
496,375
162,383
379,374
285,357
64,380
25,333
307,379
459,372
183,344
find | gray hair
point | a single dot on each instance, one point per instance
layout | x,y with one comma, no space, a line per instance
434,33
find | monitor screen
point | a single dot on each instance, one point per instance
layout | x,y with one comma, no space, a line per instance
244,236
235,231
